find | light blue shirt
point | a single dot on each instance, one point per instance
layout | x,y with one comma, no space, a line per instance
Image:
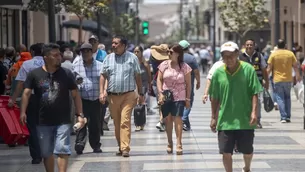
121,72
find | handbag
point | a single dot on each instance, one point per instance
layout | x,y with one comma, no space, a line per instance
268,102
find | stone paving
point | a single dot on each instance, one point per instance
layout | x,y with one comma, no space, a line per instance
278,147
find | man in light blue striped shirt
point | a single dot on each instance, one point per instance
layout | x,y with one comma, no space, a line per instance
122,70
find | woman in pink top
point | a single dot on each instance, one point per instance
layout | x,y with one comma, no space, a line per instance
175,76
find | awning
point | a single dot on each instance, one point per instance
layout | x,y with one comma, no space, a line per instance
88,25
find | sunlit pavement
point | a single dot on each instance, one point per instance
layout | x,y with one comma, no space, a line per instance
278,147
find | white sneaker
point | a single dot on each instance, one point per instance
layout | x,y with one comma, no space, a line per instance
245,171
283,121
160,126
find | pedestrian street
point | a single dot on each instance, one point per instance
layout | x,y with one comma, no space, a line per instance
278,147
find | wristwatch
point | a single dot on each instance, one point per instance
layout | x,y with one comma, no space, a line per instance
80,115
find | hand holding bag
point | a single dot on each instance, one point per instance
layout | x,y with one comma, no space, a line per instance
268,102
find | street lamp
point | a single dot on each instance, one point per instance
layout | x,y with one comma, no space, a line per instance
51,18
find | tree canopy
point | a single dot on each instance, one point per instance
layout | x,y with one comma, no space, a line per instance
241,16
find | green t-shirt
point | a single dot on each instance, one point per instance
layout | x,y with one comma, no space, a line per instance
235,92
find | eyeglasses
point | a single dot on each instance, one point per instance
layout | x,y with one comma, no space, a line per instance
85,50
170,52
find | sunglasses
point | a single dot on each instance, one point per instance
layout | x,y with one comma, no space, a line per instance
170,52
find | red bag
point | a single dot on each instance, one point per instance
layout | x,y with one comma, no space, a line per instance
11,130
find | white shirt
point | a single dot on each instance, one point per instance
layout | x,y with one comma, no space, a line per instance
28,66
215,66
146,54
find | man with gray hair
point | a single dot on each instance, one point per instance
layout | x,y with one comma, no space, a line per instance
68,57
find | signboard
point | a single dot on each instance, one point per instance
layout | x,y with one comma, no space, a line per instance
11,2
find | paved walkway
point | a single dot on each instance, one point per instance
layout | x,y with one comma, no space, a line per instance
278,147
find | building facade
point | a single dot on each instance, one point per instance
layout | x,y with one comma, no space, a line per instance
21,26
292,22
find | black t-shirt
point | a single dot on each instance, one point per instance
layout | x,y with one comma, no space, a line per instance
52,92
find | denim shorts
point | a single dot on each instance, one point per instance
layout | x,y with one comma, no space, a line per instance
173,108
54,140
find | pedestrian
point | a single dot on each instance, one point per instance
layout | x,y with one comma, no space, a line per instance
3,72
68,58
174,88
195,74
215,66
158,55
10,57
256,59
51,85
88,73
31,111
281,63
140,120
122,71
234,88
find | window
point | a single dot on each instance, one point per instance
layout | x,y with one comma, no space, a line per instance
10,28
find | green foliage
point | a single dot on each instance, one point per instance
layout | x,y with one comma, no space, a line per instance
241,16
81,8
85,8
125,25
42,5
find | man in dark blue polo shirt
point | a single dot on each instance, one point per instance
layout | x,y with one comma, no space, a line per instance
192,62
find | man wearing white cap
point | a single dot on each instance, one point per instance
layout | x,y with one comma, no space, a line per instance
234,96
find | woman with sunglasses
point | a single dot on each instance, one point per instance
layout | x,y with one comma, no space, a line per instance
140,120
174,79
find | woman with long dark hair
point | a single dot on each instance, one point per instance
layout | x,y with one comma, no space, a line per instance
140,118
174,87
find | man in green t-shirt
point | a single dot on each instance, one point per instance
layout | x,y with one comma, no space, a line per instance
234,97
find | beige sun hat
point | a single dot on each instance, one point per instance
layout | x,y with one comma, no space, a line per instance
159,52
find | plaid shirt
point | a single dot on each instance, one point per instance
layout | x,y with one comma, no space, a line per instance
90,88
121,71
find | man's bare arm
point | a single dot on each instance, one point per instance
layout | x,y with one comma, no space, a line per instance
207,87
254,104
197,76
103,82
17,91
77,101
25,100
215,108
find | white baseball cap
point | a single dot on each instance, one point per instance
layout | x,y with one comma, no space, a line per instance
229,46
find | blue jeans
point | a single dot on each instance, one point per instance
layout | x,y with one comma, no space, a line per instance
54,140
282,92
186,113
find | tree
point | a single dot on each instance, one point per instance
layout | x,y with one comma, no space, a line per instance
241,16
85,9
42,5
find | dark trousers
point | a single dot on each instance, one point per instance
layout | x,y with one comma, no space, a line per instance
92,111
103,113
32,120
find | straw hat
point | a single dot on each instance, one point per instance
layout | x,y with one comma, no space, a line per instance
159,52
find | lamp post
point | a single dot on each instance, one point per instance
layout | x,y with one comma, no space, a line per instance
277,21
214,30
51,18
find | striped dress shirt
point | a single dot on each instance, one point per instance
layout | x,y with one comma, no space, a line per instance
121,71
90,88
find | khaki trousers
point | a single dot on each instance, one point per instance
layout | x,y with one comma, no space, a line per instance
120,107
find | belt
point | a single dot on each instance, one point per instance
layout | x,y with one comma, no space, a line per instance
118,94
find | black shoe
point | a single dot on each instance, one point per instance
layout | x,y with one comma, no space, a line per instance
97,150
288,120
36,161
79,149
